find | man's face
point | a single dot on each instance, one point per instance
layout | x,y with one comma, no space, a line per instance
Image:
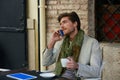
67,26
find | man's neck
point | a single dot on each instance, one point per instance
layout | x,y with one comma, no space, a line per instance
72,35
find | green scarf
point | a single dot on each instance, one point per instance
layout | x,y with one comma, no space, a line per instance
68,49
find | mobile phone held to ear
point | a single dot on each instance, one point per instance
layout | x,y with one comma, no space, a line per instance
61,33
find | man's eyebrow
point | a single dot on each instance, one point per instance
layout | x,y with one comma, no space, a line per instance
63,21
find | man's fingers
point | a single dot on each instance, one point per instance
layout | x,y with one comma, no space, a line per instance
70,58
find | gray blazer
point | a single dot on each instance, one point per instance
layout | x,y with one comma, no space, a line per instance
90,58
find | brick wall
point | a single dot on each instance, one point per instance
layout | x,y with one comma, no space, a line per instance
55,7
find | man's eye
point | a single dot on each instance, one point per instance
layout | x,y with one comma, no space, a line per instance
64,21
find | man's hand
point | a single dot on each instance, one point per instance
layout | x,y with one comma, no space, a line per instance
55,37
72,64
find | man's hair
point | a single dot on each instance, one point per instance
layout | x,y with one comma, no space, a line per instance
72,16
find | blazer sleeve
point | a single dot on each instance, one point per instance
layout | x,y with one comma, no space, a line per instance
50,55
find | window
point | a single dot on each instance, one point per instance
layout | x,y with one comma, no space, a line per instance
107,20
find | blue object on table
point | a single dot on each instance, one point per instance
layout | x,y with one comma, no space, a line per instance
21,76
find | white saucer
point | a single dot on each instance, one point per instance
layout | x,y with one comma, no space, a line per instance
47,75
47,71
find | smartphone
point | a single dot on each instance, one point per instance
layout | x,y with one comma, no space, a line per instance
61,32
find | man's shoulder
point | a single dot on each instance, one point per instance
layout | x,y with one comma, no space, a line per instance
89,38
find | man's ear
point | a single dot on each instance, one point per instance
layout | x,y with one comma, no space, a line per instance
75,24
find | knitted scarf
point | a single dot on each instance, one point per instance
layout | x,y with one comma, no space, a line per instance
68,49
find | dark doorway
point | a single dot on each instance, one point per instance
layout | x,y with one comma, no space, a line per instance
13,49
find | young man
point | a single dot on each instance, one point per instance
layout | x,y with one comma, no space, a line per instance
82,51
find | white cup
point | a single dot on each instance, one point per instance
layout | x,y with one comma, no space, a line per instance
64,62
